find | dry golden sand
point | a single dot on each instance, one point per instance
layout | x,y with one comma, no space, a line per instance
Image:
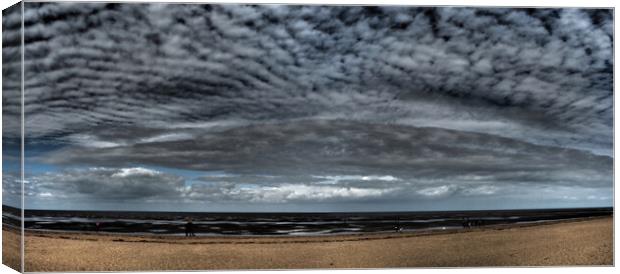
585,242
11,248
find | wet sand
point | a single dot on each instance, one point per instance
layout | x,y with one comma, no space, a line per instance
577,242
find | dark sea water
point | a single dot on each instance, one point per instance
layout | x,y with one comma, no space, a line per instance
173,223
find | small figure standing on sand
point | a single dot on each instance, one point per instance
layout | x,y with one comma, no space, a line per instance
397,227
189,228
97,227
466,223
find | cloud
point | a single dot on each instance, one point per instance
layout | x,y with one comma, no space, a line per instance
139,187
342,102
285,193
340,148
347,162
437,191
11,72
511,72
12,189
108,184
138,184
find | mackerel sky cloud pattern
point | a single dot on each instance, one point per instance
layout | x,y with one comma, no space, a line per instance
317,107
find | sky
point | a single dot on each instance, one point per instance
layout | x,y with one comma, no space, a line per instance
193,107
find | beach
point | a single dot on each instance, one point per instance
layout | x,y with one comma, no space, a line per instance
11,247
575,242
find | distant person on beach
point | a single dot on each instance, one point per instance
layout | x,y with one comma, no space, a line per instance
466,223
397,227
189,229
97,227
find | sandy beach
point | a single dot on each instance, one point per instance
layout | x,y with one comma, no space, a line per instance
11,247
578,242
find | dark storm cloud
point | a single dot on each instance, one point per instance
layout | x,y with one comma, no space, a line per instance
539,75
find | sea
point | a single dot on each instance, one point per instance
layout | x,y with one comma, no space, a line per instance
285,224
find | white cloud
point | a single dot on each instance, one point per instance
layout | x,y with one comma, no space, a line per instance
300,192
135,171
437,191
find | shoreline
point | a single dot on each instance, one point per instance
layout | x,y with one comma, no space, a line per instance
213,238
561,243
